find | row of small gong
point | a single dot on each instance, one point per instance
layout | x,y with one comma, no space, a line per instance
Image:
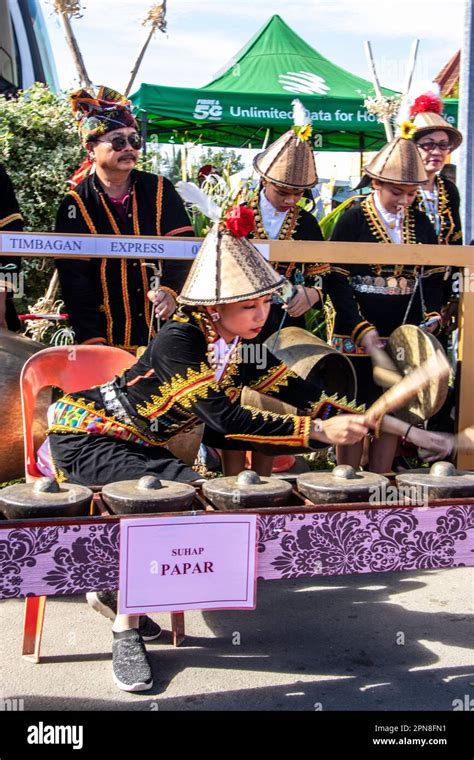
46,498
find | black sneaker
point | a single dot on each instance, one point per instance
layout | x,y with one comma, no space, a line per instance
105,602
131,668
148,629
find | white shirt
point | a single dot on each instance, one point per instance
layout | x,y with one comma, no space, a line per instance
271,218
393,222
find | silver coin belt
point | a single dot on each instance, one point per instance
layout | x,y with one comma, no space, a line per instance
114,406
387,286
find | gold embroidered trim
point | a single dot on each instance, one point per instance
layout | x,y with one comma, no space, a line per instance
12,218
343,404
83,211
447,225
89,406
300,436
159,204
184,391
377,227
276,377
178,230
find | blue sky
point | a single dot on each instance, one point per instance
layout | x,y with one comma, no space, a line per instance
204,34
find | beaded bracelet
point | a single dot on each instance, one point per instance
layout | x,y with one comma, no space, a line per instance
405,437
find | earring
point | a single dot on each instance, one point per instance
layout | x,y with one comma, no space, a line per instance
215,316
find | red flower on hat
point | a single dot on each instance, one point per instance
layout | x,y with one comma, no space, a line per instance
240,220
428,102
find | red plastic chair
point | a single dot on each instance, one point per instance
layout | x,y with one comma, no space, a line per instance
71,368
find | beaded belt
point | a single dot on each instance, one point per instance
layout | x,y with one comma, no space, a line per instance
117,405
74,418
387,286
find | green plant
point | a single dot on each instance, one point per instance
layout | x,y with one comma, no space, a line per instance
226,161
40,148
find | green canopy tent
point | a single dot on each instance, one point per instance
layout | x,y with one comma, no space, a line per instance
254,94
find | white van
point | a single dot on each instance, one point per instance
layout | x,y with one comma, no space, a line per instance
25,52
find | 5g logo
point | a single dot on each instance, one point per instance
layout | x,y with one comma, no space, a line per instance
208,109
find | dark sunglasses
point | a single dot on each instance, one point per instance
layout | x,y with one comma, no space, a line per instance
119,142
430,146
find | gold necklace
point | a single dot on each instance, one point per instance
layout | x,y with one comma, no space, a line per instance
288,227
378,229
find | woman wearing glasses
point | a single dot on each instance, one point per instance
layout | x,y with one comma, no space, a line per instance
439,200
436,139
107,298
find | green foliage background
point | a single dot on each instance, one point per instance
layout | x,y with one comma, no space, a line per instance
40,149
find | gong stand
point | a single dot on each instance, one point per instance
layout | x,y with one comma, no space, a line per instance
448,519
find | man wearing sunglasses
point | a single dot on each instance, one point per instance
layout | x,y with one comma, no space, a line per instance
107,298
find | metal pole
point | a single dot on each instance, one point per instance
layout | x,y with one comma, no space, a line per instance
361,153
466,109
144,125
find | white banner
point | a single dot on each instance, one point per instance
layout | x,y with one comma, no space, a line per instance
60,245
170,564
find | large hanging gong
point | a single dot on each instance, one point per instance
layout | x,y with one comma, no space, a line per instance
409,346
314,360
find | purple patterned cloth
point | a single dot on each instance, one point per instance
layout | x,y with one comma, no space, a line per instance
64,559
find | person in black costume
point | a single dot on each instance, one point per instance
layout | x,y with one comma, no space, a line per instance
435,138
11,220
107,298
288,172
190,373
372,300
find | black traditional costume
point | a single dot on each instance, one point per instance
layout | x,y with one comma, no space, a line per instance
289,163
188,374
442,204
442,209
383,296
107,298
11,220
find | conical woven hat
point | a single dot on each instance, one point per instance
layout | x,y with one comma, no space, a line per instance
228,269
429,121
289,161
399,162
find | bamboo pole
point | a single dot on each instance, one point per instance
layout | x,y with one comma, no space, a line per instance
411,67
138,62
377,88
65,10
157,19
